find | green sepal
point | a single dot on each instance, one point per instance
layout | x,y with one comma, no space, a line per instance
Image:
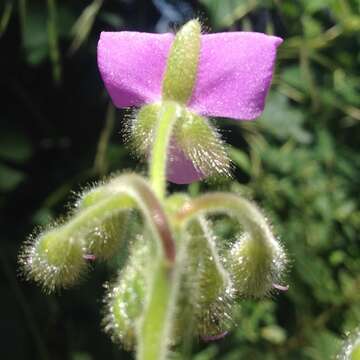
201,143
125,297
182,64
141,131
193,135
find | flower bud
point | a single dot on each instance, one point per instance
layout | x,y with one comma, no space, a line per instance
182,64
256,265
53,259
104,238
209,284
125,297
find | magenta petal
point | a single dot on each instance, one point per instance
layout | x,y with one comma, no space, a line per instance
132,65
234,74
180,170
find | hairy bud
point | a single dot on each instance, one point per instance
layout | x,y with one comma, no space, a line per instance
105,238
256,266
53,259
209,284
125,297
182,63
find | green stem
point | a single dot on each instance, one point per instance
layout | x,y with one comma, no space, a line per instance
159,153
155,327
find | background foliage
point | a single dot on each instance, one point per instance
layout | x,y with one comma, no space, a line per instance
300,161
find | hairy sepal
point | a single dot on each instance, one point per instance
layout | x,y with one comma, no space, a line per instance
193,135
182,63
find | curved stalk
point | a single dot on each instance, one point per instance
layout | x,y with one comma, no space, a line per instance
129,191
247,213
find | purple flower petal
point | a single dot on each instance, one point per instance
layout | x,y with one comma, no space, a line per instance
180,169
132,65
281,287
234,74
209,338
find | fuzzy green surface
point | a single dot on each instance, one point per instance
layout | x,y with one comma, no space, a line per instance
355,354
181,69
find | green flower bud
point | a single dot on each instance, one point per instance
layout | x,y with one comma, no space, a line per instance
107,237
182,63
104,239
209,284
91,197
54,259
256,266
125,297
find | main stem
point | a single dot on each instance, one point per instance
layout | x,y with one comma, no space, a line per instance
160,149
155,325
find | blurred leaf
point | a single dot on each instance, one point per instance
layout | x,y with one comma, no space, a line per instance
6,15
225,12
312,27
52,29
284,121
35,38
114,20
325,345
314,5
100,163
84,23
81,356
9,178
14,146
240,158
274,334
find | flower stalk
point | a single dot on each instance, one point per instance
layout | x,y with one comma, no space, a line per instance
160,149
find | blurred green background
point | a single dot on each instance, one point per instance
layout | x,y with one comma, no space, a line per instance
300,161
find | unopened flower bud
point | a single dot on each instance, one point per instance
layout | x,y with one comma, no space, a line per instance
105,238
209,284
182,63
256,265
54,259
125,297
